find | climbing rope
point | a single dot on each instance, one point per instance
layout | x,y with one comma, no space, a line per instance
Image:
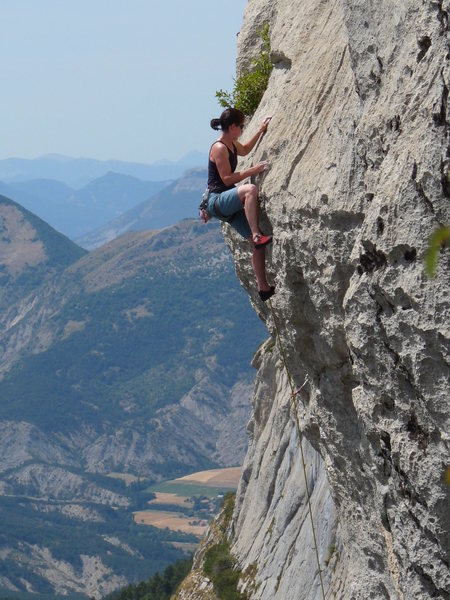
294,394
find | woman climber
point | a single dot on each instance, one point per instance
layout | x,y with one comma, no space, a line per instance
238,205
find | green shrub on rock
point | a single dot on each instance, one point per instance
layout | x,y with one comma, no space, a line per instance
249,87
219,566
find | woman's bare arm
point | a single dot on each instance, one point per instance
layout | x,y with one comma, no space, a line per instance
244,149
219,155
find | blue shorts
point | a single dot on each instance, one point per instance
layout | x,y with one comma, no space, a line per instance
229,204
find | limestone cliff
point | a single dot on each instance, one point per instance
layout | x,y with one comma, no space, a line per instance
359,149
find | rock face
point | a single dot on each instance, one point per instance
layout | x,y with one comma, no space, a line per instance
359,179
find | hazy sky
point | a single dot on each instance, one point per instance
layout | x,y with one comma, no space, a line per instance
125,79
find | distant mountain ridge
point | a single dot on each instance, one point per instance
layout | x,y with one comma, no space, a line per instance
31,252
179,200
111,204
78,172
76,212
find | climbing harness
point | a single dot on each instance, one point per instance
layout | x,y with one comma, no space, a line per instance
203,208
294,394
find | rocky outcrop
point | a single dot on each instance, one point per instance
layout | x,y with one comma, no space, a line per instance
92,578
359,153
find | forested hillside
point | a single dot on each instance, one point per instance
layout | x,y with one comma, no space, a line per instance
117,366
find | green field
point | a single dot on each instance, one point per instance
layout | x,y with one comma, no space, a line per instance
188,489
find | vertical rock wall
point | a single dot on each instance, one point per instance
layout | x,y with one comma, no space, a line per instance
359,148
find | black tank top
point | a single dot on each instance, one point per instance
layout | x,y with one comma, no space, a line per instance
215,183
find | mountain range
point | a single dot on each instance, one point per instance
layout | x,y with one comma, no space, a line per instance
78,172
176,201
109,205
122,360
76,212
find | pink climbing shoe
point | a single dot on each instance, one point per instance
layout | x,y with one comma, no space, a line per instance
261,240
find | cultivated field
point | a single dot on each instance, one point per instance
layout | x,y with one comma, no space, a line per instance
206,488
171,520
168,498
226,478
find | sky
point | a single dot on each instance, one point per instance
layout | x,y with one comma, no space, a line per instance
131,80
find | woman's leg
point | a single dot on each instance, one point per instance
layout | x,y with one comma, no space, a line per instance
248,195
259,268
248,227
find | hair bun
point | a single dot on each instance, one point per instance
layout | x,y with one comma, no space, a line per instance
215,124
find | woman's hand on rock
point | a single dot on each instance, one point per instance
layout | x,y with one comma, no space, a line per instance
261,166
264,125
